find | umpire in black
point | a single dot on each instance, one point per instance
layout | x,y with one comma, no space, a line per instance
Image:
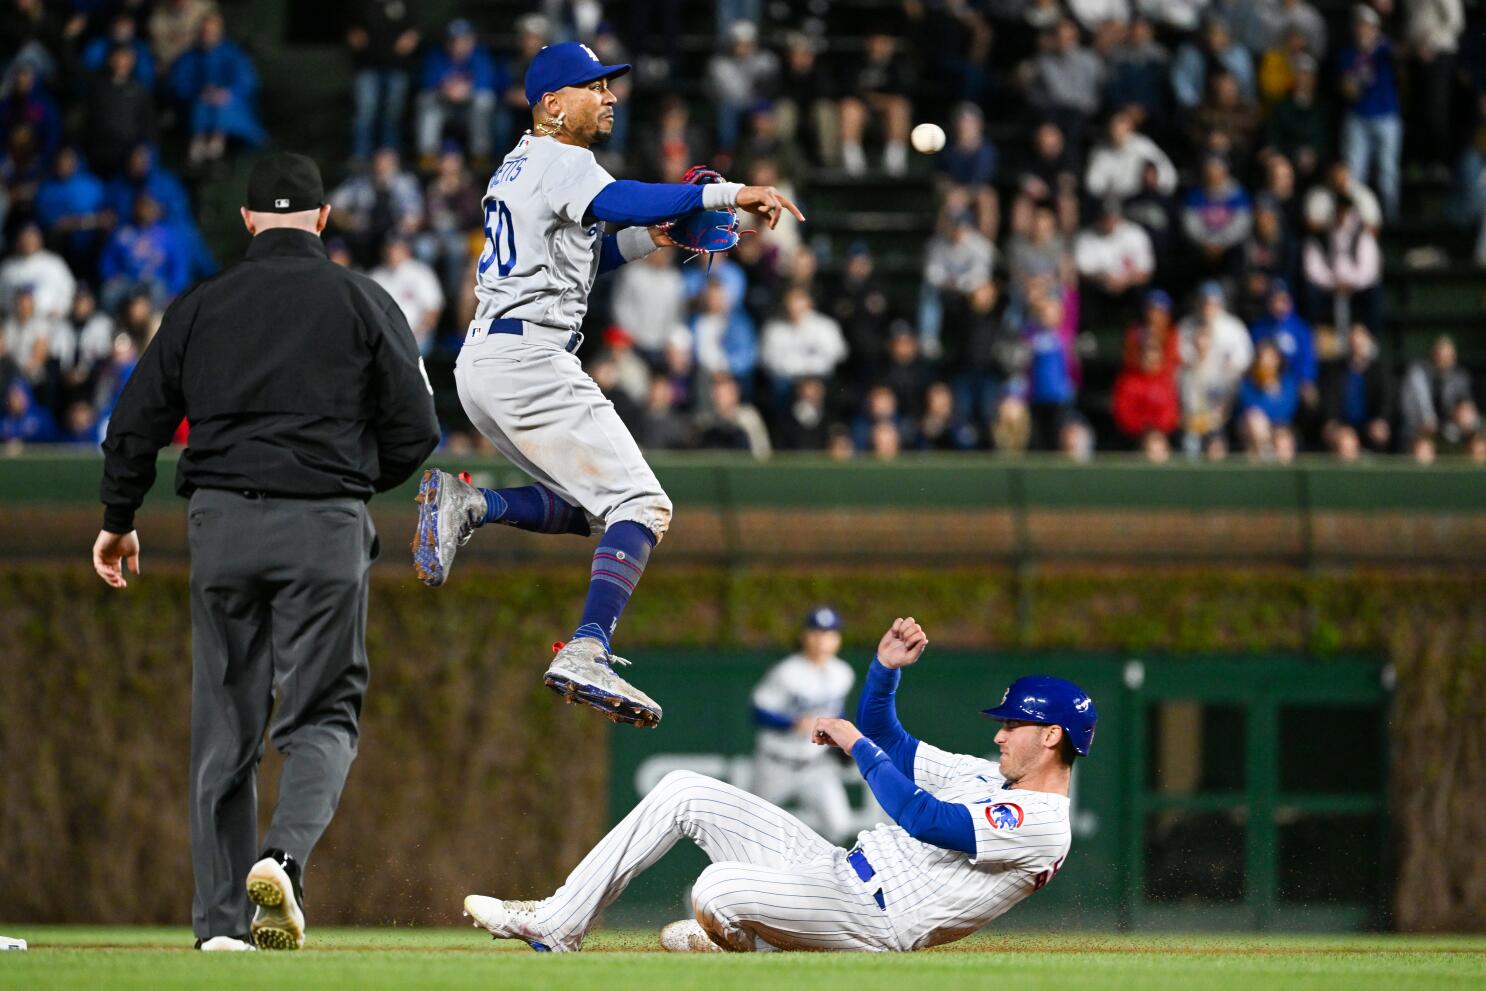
305,395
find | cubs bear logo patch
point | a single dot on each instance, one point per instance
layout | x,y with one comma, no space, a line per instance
1004,815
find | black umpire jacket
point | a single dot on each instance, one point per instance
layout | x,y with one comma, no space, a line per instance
299,379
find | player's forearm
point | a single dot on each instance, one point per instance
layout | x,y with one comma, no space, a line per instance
772,720
625,201
921,815
877,717
629,245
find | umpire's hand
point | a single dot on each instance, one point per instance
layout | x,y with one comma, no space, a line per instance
902,644
111,551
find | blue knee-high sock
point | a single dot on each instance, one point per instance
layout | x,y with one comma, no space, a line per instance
535,508
617,566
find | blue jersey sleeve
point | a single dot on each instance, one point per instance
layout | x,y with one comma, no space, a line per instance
772,720
640,204
877,717
610,257
922,816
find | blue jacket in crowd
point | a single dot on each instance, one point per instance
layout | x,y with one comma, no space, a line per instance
224,66
154,254
481,68
1293,337
58,199
1277,402
95,59
1375,74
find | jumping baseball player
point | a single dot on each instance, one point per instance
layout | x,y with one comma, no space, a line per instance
788,766
970,838
523,387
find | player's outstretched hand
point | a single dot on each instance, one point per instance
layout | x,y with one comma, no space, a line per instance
902,644
111,551
767,202
830,732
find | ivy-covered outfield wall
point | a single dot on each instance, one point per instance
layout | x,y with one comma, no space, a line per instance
472,777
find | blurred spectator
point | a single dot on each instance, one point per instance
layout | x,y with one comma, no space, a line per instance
1116,261
1217,52
1278,18
216,85
22,168
727,342
1226,122
123,32
1357,395
1292,337
1372,133
1117,166
452,208
662,427
882,84
960,260
886,442
1039,253
25,101
1207,386
764,148
1438,403
907,372
1049,385
71,209
738,77
802,425
175,25
731,424
1154,210
1266,405
532,34
25,422
1269,253
1217,216
31,336
1434,30
879,409
1154,327
806,104
672,145
460,83
1278,66
679,368
146,253
782,240
1048,176
860,305
941,428
382,37
144,174
375,204
120,112
1299,125
83,343
799,343
1343,269
1065,80
631,374
648,302
1227,352
1140,77
81,425
606,376
969,163
1323,201
47,276
1181,16
1145,397
414,287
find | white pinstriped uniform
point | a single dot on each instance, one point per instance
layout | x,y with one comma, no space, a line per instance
775,883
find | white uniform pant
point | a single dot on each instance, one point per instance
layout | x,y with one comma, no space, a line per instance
815,786
773,880
543,413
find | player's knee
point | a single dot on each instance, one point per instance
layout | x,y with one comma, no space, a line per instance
678,784
651,510
708,895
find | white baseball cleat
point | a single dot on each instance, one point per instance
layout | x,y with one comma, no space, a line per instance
226,944
449,509
687,936
583,671
279,922
509,919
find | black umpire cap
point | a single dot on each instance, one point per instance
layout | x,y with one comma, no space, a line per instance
285,183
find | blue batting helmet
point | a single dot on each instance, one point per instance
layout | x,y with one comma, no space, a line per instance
1041,698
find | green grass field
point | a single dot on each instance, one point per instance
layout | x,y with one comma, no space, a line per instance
67,957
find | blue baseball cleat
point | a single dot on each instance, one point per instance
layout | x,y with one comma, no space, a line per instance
449,509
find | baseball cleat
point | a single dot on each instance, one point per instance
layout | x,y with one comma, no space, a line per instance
583,671
274,886
449,509
508,919
687,936
226,944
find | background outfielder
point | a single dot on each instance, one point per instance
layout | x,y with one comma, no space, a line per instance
788,767
970,839
521,383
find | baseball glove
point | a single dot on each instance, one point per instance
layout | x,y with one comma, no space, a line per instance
704,232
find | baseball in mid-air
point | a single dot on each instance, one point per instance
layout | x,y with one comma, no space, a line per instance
927,138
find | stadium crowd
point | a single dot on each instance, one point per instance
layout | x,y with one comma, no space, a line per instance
1207,178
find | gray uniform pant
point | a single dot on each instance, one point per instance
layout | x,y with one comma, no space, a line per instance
278,608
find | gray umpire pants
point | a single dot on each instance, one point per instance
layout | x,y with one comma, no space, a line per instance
278,609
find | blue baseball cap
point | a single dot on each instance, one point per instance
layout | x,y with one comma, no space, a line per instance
1043,699
823,618
1158,297
566,64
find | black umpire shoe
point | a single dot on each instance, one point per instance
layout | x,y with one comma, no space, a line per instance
275,884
